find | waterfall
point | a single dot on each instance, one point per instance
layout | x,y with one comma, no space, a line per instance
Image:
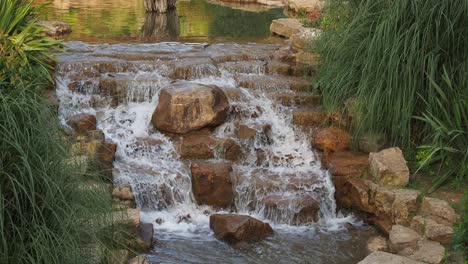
279,187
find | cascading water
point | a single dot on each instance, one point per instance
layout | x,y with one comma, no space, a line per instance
280,178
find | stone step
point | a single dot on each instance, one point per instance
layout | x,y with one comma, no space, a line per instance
298,99
271,67
308,119
269,83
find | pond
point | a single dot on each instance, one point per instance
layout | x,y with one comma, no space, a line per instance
115,21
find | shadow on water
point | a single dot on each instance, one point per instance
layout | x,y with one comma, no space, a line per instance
160,27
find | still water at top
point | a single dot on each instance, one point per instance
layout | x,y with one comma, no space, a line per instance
116,21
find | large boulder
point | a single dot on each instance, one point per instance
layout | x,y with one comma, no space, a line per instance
235,228
376,243
439,211
389,167
82,123
286,26
212,184
185,107
428,252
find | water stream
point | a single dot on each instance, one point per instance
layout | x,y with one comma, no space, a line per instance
289,174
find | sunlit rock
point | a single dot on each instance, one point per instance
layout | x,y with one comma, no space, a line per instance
286,26
185,107
388,167
234,228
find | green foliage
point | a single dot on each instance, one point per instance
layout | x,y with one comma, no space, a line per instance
24,51
335,15
460,240
385,58
447,147
50,211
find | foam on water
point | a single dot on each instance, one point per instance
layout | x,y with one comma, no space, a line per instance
162,182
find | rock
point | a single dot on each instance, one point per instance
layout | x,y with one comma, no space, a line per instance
276,67
129,215
123,193
304,6
418,224
231,150
197,147
389,168
380,257
376,243
404,206
235,228
384,199
331,139
185,107
307,208
82,123
437,232
138,260
429,252
263,132
286,26
55,28
212,184
307,58
357,193
309,118
439,211
401,237
106,155
303,40
192,68
345,163
145,236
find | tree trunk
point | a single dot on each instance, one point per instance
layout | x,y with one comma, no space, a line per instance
159,6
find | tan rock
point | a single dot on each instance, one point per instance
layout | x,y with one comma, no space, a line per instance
437,232
55,28
185,107
401,237
307,58
357,195
404,206
418,224
286,26
439,211
376,243
123,193
304,40
384,199
276,67
238,228
309,118
139,260
212,184
331,139
82,123
429,252
380,257
304,6
389,168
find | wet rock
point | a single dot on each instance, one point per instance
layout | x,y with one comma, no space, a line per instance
304,6
145,236
106,155
306,208
357,194
387,258
82,123
272,83
256,67
193,68
123,193
138,260
376,243
309,118
304,39
389,167
428,252
212,184
184,218
197,147
234,228
439,211
276,67
331,139
231,150
286,27
303,99
401,237
262,131
55,28
185,107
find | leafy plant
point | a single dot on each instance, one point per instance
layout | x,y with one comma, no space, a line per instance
460,240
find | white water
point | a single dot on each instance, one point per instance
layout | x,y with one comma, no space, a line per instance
161,181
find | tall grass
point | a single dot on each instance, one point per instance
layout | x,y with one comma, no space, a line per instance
50,212
386,59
